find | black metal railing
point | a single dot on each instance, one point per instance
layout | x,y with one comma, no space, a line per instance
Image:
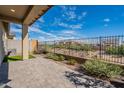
108,48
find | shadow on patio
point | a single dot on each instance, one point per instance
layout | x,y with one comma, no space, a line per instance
4,73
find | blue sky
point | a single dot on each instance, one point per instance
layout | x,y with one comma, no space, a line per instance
72,22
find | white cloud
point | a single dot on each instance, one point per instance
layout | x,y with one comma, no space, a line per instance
63,35
59,22
63,24
41,38
65,8
39,31
106,20
71,15
84,14
68,12
75,26
69,32
15,30
65,38
56,21
45,36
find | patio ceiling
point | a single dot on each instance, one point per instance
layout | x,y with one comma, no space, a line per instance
22,14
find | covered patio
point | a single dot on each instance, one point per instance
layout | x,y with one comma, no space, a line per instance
25,15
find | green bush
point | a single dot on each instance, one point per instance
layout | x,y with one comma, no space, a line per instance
71,61
119,50
61,58
49,55
102,69
52,56
112,50
74,47
122,73
86,47
55,57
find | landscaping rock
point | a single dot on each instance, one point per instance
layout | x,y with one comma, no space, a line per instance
117,82
81,80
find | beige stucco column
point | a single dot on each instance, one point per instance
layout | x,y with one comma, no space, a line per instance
25,42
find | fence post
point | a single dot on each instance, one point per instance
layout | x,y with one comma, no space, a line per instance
69,47
100,47
45,46
54,46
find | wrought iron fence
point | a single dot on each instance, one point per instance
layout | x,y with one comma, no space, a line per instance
109,48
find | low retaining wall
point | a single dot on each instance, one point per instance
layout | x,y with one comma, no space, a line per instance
79,60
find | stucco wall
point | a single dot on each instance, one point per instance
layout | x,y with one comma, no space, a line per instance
2,52
34,44
17,45
14,44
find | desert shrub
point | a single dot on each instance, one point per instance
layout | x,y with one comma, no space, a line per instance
71,62
55,57
74,47
86,47
61,58
119,50
122,73
49,55
52,56
102,69
111,50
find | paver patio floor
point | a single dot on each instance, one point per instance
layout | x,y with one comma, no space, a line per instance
44,73
37,72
